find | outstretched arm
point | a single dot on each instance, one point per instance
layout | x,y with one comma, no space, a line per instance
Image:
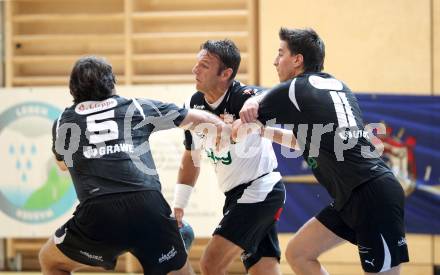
281,136
195,118
210,125
61,164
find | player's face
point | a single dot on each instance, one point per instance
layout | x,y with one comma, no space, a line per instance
206,71
286,63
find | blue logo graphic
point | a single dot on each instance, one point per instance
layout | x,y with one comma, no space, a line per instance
32,189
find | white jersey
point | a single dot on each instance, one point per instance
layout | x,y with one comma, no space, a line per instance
251,160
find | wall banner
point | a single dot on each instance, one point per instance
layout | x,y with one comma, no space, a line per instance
36,197
411,149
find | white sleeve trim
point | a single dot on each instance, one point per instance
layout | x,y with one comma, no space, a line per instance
138,106
58,125
292,95
187,103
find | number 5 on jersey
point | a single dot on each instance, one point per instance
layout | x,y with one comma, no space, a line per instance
102,131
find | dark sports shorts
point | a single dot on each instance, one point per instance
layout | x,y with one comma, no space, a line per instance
372,219
252,226
138,222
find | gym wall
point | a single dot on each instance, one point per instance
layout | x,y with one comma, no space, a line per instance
374,46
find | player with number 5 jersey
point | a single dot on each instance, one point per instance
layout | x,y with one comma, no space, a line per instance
108,156
102,139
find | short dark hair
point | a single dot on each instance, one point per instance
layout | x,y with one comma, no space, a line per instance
91,78
308,43
227,52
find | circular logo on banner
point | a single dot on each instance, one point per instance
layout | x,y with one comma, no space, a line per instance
32,189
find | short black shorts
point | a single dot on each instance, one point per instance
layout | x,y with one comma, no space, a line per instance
372,219
252,226
138,222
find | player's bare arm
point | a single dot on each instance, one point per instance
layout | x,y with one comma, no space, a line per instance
278,135
189,171
61,165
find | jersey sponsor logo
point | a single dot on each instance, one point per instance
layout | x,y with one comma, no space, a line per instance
349,134
325,83
101,128
249,91
90,152
89,107
91,256
32,190
226,160
199,107
168,256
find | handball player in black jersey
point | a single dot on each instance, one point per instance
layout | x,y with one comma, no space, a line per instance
368,206
102,139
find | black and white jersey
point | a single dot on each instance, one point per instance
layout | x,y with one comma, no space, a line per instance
252,159
327,122
105,143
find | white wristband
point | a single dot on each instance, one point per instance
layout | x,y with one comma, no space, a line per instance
182,192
